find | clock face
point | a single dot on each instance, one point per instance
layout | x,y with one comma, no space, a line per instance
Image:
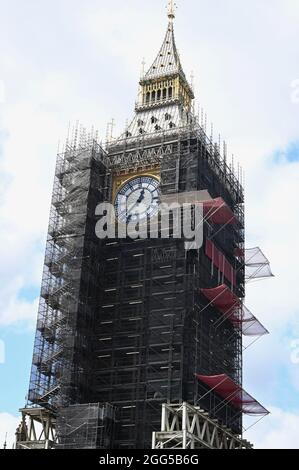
138,199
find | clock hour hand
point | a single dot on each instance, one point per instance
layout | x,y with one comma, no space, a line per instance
141,197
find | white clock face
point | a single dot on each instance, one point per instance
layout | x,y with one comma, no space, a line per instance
138,199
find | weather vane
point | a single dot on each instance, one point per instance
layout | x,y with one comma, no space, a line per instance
171,9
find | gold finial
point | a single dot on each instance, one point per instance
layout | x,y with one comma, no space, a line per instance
171,10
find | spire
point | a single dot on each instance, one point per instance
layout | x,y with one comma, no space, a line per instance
167,61
165,96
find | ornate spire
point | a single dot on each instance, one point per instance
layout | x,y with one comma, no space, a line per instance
167,61
165,96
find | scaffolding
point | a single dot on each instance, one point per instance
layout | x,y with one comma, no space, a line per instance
37,429
189,427
257,266
60,366
124,322
89,426
151,338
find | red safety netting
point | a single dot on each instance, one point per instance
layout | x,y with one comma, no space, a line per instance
232,308
223,299
233,393
218,212
220,261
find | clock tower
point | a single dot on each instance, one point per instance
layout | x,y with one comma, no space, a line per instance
151,337
132,329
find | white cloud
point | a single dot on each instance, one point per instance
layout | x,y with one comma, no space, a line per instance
279,430
2,91
272,220
8,425
14,310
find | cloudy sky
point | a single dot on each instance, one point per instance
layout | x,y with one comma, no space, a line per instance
69,60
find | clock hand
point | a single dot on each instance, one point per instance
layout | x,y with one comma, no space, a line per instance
139,200
141,197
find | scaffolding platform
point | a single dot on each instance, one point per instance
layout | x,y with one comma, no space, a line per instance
188,427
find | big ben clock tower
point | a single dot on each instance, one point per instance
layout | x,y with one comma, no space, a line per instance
134,329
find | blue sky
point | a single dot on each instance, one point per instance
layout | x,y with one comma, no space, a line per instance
16,369
66,60
287,155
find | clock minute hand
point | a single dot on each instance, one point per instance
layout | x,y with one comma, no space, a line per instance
139,200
